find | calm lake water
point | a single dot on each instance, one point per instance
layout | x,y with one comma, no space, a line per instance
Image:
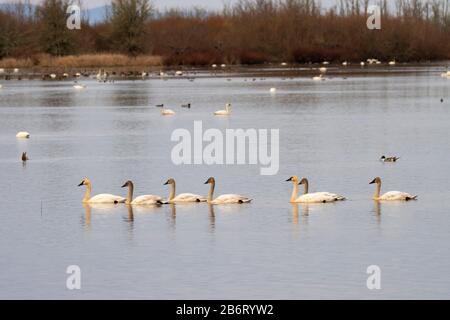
332,132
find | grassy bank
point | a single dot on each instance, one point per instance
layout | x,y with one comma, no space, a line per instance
82,61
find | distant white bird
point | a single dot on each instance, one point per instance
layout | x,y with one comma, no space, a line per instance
325,63
53,76
2,70
392,63
273,90
363,63
214,66
79,86
223,65
345,63
179,73
167,112
318,78
284,64
65,75
1,87
16,70
23,135
225,112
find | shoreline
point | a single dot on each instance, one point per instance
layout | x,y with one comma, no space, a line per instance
232,71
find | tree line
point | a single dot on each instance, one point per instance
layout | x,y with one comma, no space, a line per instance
246,32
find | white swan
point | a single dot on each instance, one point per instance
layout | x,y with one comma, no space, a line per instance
273,90
319,78
224,199
148,200
345,63
392,195
23,135
79,86
318,197
323,70
167,112
392,63
184,197
101,198
225,112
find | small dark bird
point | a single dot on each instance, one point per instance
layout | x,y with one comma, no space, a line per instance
389,159
25,157
186,105
160,105
442,100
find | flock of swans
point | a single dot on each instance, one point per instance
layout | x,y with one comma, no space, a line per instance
152,200
306,197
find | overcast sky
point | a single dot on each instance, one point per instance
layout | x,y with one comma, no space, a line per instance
161,4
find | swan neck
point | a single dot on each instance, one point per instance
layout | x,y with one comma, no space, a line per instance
306,187
172,191
294,192
211,192
87,195
377,193
130,194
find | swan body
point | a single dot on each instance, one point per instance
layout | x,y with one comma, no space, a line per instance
101,198
23,135
392,63
345,63
323,70
363,63
224,199
167,112
147,200
225,112
79,86
392,195
184,197
317,197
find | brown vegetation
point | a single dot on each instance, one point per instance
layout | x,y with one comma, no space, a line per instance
248,32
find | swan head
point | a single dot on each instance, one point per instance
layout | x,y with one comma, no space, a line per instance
210,181
169,182
293,179
383,158
127,184
85,182
303,181
376,180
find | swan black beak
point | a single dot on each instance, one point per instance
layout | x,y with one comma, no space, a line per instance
373,182
289,180
166,183
125,185
206,182
82,183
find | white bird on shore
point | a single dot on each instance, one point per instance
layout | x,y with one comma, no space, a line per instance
345,63
79,86
392,63
2,70
53,76
323,70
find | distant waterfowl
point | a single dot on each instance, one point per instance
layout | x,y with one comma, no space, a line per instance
179,73
284,64
323,70
2,70
23,135
16,70
167,112
225,112
214,66
24,157
101,198
188,105
160,106
318,197
53,76
363,63
345,63
224,199
184,197
392,195
148,200
442,100
1,87
273,90
392,63
78,86
223,65
325,63
319,78
389,159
